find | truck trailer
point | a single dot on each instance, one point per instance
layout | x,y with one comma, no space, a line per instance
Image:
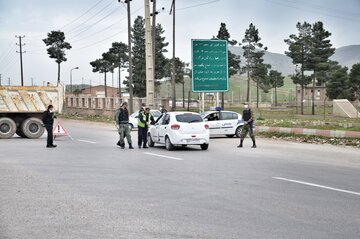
21,109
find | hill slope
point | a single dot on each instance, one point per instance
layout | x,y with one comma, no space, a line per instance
346,56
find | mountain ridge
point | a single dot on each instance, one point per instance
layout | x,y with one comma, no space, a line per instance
346,56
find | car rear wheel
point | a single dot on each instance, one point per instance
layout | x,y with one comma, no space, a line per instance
204,146
150,141
169,146
238,131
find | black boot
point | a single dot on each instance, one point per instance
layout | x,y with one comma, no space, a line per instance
144,146
241,143
122,145
254,144
130,146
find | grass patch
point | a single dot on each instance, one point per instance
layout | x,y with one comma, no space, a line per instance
313,139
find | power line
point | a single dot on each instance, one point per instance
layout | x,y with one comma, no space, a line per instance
91,17
95,33
95,43
317,9
197,5
95,23
72,21
11,48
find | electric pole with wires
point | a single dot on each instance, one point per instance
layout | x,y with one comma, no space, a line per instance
21,61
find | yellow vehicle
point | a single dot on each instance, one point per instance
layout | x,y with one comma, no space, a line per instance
21,109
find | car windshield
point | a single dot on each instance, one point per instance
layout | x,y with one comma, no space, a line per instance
155,113
188,118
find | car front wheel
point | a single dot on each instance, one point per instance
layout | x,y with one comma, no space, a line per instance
150,141
204,146
238,131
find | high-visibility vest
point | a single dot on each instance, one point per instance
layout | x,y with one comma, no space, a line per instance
141,124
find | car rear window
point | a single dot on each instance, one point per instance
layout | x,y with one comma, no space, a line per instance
188,118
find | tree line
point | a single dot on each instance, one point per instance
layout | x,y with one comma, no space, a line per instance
309,49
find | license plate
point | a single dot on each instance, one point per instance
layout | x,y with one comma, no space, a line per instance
192,140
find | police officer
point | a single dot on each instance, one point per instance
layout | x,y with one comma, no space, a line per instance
248,118
48,121
122,123
144,120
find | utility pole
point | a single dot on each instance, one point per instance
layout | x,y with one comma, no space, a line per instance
153,34
9,81
149,58
173,107
21,62
130,59
32,81
0,79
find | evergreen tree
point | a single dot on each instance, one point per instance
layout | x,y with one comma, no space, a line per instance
119,57
103,65
354,80
338,85
253,53
139,62
321,51
160,49
300,53
138,54
57,46
233,60
276,81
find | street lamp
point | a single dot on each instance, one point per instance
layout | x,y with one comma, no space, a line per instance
75,68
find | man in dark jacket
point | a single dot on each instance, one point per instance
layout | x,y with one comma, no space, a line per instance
144,120
248,126
48,120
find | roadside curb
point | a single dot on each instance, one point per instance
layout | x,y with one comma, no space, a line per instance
318,132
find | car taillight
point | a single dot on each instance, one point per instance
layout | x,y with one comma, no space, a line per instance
206,126
175,126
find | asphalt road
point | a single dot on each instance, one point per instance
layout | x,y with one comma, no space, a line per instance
88,187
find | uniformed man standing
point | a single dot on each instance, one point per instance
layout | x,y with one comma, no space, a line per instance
248,118
144,120
122,123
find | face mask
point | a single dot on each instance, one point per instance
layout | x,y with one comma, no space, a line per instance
51,110
246,106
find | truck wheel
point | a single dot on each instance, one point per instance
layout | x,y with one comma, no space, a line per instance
32,128
7,128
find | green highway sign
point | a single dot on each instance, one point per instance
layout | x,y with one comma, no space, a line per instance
209,66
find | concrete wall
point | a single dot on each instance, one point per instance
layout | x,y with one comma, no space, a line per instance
85,105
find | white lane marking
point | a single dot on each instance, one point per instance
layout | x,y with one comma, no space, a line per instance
86,141
164,156
317,185
71,137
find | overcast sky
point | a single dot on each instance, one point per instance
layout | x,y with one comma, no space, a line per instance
91,26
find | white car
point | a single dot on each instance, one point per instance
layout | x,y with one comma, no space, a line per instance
179,128
134,117
227,123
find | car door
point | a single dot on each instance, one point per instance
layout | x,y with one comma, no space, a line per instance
163,128
154,130
228,122
213,121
